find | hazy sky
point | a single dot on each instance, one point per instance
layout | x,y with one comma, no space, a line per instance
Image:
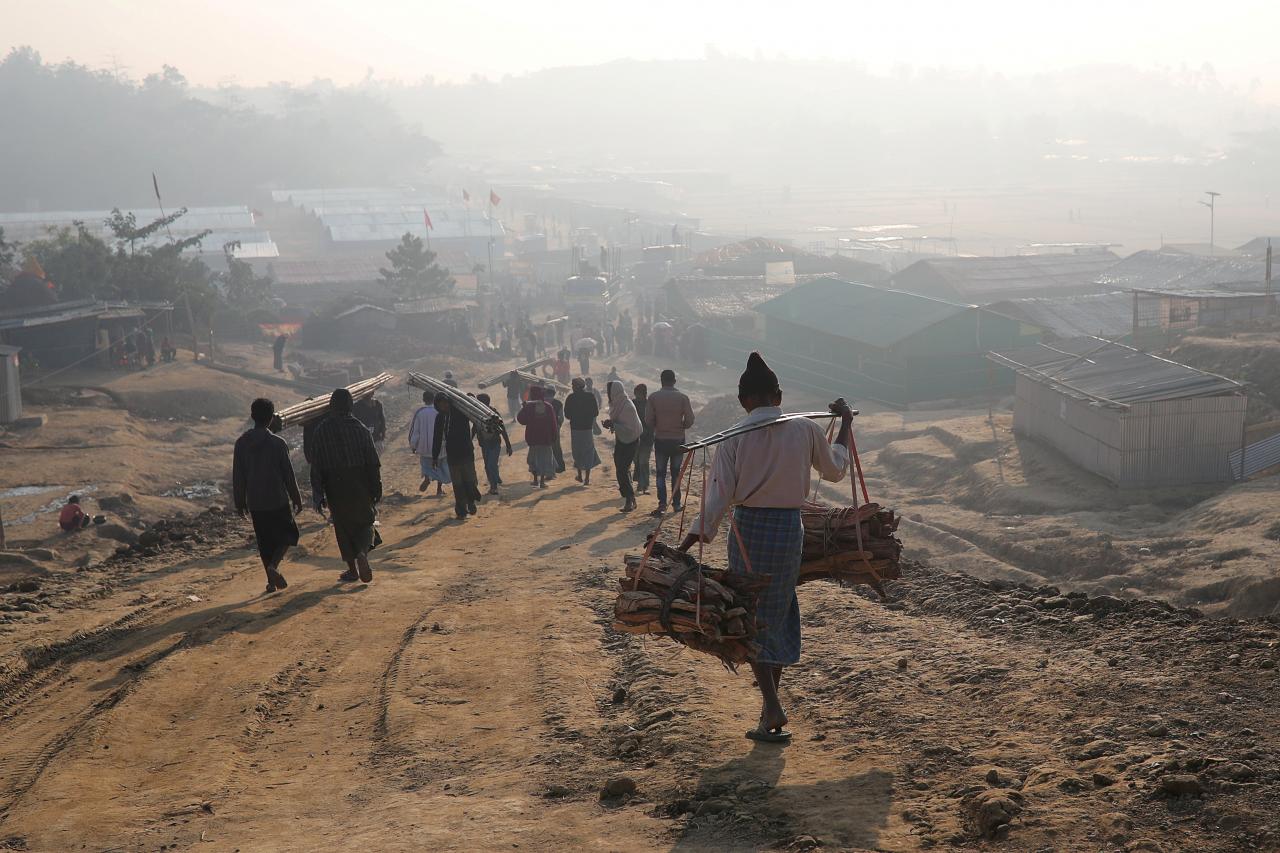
298,40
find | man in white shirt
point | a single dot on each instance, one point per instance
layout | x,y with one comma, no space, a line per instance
764,476
421,434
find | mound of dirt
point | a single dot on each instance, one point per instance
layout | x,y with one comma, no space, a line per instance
718,414
184,404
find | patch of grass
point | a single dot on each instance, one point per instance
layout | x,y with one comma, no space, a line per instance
1231,554
1273,532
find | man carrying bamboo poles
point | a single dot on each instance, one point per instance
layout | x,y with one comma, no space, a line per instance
346,476
454,435
764,476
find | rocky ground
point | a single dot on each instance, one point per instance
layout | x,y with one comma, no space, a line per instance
475,697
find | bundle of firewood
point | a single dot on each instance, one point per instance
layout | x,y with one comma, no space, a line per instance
850,544
703,608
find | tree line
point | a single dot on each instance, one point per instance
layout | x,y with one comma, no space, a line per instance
78,138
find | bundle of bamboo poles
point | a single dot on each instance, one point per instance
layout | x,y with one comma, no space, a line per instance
698,606
528,378
478,413
850,544
525,370
313,407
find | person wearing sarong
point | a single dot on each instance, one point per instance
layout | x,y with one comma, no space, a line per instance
421,436
626,427
581,410
346,476
764,476
453,435
263,487
539,421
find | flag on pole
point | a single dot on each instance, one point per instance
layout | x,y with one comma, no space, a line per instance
493,198
156,186
466,196
426,219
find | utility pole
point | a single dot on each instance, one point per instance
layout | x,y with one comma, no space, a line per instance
1211,204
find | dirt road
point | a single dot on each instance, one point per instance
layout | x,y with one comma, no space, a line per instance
474,698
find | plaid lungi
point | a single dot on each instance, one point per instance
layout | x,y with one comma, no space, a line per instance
774,540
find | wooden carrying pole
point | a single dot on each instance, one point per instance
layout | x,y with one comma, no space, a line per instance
313,407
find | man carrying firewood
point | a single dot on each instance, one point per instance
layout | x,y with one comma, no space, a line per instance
764,475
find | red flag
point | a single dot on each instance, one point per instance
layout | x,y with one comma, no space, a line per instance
466,196
493,198
426,218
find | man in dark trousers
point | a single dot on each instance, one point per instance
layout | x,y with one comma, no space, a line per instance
491,448
264,488
346,476
277,350
369,412
669,414
453,433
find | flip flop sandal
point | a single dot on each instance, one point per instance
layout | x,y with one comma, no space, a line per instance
365,570
779,736
278,581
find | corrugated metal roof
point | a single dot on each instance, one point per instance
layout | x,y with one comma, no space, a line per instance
1157,270
1108,315
1110,373
725,297
859,312
985,277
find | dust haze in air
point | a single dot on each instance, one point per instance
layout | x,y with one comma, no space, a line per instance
1146,95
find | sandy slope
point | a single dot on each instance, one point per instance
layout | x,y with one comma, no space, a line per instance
474,698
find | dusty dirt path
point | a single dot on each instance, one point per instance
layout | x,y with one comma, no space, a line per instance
473,698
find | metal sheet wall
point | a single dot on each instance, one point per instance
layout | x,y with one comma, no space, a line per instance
1165,443
1181,442
1087,434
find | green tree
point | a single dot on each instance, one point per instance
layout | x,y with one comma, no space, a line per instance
414,274
77,262
242,288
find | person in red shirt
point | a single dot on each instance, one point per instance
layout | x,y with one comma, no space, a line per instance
72,516
540,428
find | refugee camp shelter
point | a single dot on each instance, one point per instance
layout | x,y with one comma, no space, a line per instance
726,302
10,385
64,333
1137,420
1107,315
1159,316
981,281
835,336
1173,270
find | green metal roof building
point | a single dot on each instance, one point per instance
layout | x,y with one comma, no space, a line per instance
836,336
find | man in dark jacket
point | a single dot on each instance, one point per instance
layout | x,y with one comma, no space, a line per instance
277,351
581,410
346,476
557,448
370,413
453,433
264,487
644,450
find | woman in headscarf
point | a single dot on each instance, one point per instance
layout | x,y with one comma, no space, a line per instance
540,428
626,427
581,409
